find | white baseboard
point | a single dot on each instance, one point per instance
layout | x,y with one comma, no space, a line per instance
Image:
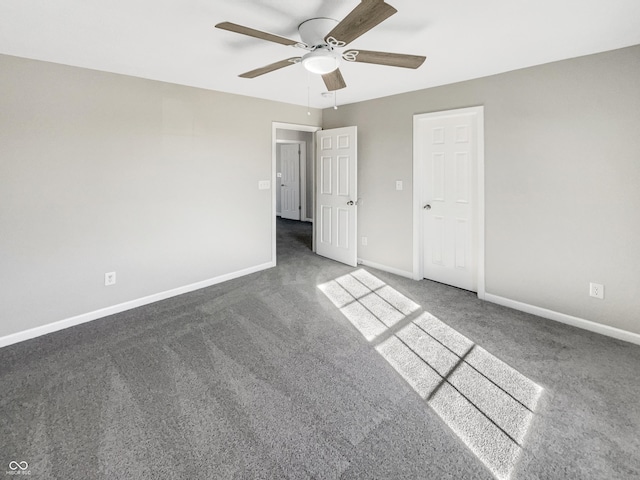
104,312
384,268
567,319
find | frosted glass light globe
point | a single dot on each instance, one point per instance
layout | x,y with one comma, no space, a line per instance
321,62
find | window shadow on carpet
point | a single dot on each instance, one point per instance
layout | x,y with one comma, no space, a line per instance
488,404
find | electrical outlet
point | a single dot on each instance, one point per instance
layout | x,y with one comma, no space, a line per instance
109,279
596,290
365,241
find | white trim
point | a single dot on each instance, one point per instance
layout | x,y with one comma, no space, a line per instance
417,191
104,312
274,137
480,173
567,319
384,268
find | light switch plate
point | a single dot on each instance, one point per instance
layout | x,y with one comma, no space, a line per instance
264,184
398,184
109,279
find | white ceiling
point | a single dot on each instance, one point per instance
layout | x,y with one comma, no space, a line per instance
175,40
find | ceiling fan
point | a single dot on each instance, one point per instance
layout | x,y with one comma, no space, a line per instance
323,57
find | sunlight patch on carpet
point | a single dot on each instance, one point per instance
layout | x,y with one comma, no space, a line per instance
369,304
488,404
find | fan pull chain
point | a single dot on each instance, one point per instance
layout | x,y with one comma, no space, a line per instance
335,100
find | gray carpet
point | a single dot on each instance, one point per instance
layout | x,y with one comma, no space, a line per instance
317,370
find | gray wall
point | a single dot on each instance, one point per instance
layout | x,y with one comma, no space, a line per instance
284,134
102,172
562,165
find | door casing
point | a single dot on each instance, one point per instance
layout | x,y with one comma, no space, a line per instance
418,191
274,138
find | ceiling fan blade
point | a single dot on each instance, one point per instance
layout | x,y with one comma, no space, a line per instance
270,68
270,37
334,80
361,19
385,58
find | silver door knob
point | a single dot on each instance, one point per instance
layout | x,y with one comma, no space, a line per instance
427,207
350,202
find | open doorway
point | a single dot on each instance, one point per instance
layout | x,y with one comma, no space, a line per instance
293,155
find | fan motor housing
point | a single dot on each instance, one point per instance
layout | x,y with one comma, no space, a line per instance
313,31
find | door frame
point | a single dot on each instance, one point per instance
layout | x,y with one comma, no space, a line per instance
418,191
302,169
274,137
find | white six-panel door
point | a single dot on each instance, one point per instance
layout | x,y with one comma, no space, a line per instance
336,194
290,181
446,145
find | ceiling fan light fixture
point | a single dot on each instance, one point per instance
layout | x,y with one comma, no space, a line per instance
321,61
